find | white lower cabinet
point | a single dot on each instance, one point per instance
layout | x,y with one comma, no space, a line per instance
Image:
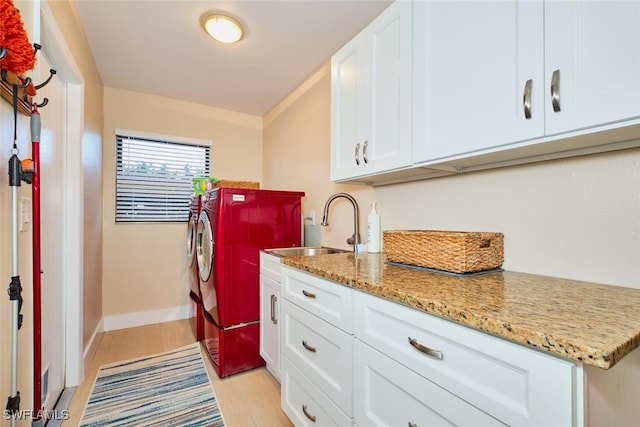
270,312
351,357
269,329
304,403
513,384
321,351
390,394
316,331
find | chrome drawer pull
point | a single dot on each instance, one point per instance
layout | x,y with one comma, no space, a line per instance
273,309
307,414
526,99
555,91
426,350
308,347
357,153
308,294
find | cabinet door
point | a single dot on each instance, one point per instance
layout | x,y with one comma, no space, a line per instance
269,324
472,62
594,48
371,97
349,95
389,140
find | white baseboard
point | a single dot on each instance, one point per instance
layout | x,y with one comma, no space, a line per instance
141,318
92,346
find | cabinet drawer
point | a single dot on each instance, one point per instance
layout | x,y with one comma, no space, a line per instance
514,384
416,400
321,351
329,301
270,266
305,404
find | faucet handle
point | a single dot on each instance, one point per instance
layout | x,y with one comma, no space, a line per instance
354,239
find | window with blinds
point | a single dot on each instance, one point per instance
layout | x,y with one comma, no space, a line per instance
153,178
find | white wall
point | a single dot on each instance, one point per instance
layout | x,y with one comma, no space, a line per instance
577,218
145,277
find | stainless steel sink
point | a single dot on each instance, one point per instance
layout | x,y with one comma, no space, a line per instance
305,251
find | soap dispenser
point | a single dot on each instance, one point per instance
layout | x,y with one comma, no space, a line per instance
373,230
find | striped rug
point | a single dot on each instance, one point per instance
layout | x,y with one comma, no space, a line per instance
168,389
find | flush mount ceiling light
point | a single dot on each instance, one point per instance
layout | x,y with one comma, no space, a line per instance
222,28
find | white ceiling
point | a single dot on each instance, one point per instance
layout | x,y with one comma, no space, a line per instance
159,47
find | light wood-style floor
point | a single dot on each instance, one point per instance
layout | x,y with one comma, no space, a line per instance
248,399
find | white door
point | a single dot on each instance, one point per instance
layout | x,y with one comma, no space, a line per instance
371,97
472,62
389,140
269,327
347,100
52,166
594,49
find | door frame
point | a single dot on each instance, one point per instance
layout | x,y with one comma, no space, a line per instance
73,188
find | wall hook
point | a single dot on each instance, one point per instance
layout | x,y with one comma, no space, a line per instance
3,52
44,83
25,83
45,101
36,48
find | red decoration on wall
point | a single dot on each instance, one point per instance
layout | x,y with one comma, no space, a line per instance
13,37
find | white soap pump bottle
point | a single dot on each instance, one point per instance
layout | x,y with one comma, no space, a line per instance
373,230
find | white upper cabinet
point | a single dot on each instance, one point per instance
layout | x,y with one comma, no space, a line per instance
595,48
491,77
371,98
472,61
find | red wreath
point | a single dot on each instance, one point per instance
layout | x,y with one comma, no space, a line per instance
20,56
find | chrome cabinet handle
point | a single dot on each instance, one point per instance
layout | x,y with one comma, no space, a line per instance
436,354
307,414
364,151
526,99
308,294
555,91
308,347
273,309
357,154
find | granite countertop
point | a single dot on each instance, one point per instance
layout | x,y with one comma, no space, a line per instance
587,322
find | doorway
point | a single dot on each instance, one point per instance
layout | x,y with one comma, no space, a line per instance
61,190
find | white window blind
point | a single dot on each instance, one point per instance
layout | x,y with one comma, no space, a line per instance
153,178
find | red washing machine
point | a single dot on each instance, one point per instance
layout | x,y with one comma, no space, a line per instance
234,225
195,315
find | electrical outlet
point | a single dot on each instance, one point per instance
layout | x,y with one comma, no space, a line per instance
25,213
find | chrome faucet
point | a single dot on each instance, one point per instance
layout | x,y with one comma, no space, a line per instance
355,238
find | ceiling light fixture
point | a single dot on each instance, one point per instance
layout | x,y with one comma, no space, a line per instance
222,28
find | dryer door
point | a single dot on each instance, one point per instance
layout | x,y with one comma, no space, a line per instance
191,239
204,246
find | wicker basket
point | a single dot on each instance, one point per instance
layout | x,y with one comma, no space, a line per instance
224,183
454,251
